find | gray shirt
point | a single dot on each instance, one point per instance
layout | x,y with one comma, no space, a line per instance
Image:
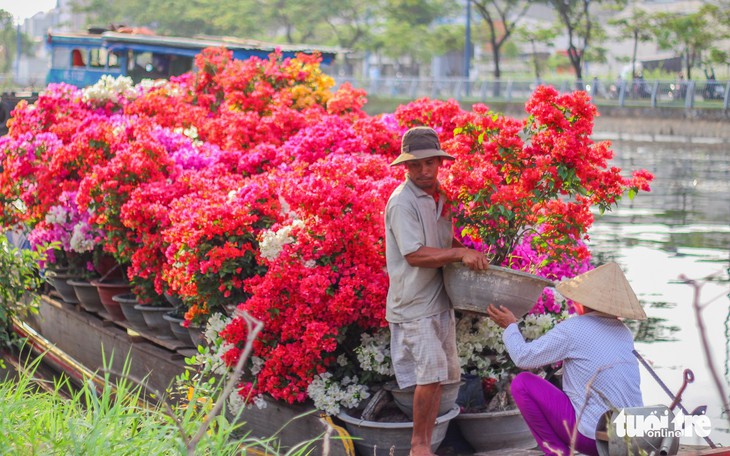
594,348
412,220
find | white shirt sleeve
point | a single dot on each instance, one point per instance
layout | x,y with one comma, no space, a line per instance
551,347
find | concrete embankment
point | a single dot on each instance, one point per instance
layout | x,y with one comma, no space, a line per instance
650,123
637,123
711,124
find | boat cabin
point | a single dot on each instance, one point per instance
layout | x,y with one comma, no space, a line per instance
81,59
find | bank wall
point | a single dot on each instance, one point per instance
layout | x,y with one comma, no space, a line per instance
636,122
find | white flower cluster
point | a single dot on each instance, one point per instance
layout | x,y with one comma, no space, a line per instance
81,241
475,334
257,363
109,88
190,132
272,242
213,358
236,402
329,396
285,207
535,325
57,215
148,84
373,354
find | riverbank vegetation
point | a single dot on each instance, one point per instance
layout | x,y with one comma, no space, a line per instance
41,416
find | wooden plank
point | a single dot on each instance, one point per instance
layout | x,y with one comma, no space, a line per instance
173,344
703,451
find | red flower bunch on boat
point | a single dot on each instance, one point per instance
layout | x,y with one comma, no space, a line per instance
540,176
327,283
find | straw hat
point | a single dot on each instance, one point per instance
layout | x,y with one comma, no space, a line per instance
418,143
604,289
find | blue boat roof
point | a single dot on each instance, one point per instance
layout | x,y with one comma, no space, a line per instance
241,48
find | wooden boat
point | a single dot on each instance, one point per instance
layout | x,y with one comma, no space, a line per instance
81,343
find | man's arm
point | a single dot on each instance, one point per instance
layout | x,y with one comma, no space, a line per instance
432,257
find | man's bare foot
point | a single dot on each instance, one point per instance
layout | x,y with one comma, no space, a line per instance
421,451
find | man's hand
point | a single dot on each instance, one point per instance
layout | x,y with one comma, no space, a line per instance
501,315
475,260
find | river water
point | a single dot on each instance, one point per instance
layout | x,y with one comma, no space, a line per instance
682,227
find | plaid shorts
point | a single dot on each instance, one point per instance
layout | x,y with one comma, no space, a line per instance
424,351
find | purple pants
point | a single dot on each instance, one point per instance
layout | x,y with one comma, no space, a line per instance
549,415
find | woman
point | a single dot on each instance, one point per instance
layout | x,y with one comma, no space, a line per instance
600,371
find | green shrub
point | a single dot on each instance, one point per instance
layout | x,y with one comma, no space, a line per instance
20,282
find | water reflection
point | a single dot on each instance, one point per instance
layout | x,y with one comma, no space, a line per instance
681,227
653,329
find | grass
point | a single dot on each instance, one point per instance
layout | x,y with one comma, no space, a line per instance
115,418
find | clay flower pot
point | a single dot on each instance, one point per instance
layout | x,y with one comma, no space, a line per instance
127,303
59,281
87,294
107,290
375,438
473,291
488,431
403,398
181,332
154,318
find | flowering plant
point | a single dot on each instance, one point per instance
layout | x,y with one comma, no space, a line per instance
541,175
482,354
78,244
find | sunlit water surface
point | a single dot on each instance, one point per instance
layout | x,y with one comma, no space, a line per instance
682,227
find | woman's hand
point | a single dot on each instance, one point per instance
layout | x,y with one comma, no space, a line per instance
501,315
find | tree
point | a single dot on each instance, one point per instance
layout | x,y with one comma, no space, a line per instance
637,27
537,35
501,17
9,42
407,28
687,34
575,15
178,17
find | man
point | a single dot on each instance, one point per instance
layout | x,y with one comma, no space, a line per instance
419,240
596,349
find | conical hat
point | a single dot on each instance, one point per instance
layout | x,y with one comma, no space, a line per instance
604,289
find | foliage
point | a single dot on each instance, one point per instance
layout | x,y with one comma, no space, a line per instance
114,417
637,27
9,41
581,27
540,176
534,35
20,285
687,34
501,17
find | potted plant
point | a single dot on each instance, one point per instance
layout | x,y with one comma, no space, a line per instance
77,247
489,419
536,179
